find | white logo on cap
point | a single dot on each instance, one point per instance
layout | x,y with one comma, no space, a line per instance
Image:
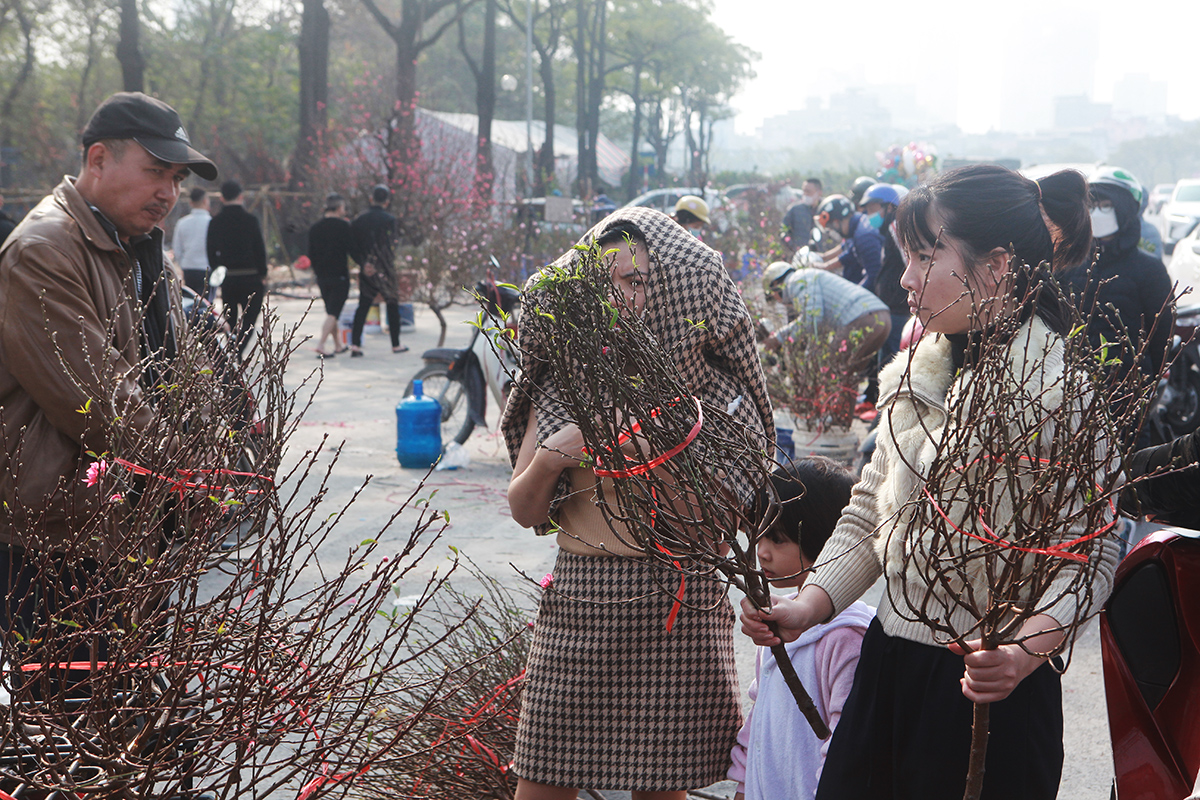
180,133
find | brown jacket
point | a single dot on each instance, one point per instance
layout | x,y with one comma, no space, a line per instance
70,346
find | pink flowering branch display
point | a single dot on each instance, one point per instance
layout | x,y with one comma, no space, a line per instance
208,632
687,477
814,376
1012,503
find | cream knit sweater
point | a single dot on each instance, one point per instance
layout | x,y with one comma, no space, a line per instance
869,539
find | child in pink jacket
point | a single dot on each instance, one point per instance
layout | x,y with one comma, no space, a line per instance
777,755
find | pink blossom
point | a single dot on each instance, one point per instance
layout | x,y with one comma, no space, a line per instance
117,498
95,470
546,580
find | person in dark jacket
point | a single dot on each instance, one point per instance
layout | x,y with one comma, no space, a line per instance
879,203
7,223
374,247
861,251
330,245
1128,291
800,220
1169,491
235,241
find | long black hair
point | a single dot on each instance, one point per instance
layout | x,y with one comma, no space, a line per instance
983,206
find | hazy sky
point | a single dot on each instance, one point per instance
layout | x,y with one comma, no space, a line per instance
978,64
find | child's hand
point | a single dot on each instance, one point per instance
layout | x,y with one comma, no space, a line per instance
791,617
991,675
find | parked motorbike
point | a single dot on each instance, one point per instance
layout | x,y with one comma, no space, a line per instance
1176,409
1150,643
460,379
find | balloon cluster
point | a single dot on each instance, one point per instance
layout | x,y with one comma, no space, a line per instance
913,164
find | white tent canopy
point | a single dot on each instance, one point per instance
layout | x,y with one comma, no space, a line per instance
510,142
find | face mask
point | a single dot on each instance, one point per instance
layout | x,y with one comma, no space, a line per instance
694,232
875,220
1104,222
811,200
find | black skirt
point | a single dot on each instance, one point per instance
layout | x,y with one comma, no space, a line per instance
905,731
613,701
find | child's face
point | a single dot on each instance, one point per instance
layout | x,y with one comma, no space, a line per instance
780,559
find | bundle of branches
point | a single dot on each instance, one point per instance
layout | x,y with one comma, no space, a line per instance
1017,501
136,668
464,693
813,377
686,473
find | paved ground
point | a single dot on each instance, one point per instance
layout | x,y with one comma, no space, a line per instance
354,409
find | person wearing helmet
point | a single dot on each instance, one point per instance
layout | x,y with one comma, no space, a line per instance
879,203
858,189
692,213
819,300
1128,291
861,252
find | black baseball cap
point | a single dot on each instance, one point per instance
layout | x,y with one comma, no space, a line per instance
151,123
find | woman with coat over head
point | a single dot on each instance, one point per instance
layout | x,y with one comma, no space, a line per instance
612,699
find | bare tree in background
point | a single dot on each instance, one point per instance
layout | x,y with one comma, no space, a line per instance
129,48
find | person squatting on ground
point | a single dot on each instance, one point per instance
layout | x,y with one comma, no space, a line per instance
189,244
777,754
817,300
84,298
612,699
330,246
905,730
374,233
235,241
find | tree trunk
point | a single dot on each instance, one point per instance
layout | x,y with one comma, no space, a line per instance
596,90
25,21
404,148
313,51
485,106
129,51
544,176
83,111
582,58
631,190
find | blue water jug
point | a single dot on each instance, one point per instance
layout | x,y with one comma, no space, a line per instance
785,445
418,430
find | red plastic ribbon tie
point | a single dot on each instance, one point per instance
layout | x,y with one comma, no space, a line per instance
185,482
657,461
1056,550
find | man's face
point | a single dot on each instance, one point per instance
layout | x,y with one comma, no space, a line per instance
135,191
812,195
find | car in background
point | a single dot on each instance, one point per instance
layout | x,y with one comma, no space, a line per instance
1181,212
1184,268
664,200
1159,195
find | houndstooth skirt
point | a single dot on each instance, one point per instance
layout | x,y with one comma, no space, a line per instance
613,701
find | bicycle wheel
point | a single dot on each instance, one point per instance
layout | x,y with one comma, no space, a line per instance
453,396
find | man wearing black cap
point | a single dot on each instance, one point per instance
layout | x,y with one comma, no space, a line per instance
88,324
235,241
